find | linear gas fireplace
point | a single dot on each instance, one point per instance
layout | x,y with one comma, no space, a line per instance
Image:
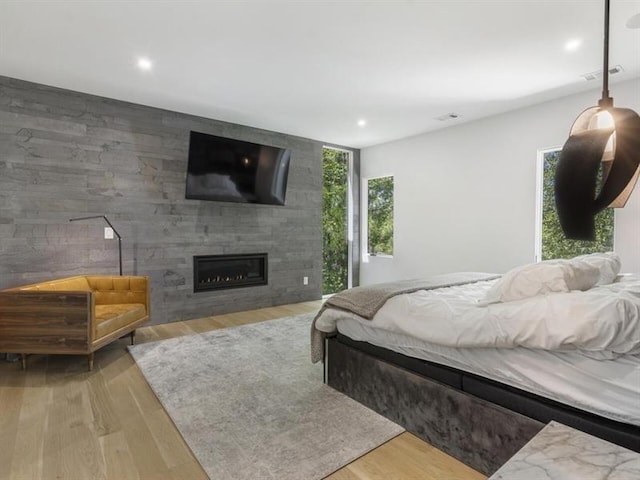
213,272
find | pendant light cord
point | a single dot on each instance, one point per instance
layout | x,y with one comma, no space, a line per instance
606,100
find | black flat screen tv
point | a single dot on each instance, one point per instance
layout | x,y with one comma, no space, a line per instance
229,170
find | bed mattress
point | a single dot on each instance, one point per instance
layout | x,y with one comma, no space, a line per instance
609,388
577,348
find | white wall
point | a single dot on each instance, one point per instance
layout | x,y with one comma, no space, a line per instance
465,196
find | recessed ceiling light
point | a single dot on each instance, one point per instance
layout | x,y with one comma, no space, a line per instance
144,64
572,45
362,122
634,21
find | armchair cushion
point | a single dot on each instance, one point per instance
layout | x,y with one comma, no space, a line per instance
118,290
110,318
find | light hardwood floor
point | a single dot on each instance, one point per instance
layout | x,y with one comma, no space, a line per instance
59,421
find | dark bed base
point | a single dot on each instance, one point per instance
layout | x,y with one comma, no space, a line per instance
481,422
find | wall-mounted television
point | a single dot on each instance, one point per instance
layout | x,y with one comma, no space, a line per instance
229,170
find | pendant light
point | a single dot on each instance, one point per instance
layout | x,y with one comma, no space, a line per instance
604,140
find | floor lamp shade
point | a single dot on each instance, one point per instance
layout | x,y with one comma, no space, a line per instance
612,150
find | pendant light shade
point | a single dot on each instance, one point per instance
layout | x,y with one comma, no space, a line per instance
604,144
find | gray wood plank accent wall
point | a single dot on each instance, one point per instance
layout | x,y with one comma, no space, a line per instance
66,154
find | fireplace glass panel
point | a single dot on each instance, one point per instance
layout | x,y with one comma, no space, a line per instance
212,272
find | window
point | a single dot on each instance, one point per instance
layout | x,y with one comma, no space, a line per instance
380,216
337,230
551,242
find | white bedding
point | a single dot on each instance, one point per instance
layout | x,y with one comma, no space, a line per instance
579,348
603,322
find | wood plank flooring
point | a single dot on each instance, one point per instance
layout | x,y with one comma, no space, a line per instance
59,421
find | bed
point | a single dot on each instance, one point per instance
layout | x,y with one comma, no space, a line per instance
477,364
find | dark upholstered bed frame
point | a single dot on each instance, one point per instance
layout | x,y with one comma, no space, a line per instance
479,421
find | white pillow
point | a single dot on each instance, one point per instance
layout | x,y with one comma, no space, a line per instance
607,263
581,275
542,278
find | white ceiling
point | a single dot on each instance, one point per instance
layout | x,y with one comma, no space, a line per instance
313,68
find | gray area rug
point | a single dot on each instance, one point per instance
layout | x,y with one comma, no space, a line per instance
251,405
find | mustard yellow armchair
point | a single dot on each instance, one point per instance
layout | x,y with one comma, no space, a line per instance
73,315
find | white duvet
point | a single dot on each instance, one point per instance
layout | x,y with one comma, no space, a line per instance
602,322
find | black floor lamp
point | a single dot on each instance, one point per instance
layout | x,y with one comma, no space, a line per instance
114,231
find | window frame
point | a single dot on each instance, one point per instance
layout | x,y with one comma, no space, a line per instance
364,215
350,209
540,199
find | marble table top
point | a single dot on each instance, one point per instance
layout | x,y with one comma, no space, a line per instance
559,452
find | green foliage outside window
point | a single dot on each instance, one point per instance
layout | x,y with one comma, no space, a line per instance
380,216
334,221
554,244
